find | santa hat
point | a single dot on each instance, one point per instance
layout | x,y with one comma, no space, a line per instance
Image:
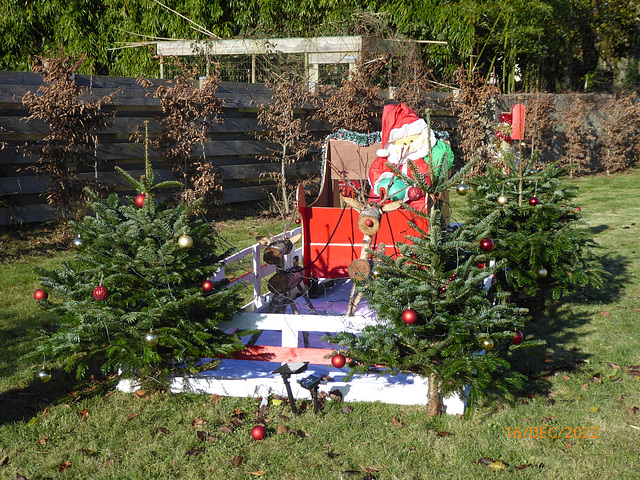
398,121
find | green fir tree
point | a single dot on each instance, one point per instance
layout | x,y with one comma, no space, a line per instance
134,298
461,338
547,250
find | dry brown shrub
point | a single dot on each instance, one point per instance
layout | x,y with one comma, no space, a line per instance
286,129
356,105
474,106
188,112
620,137
72,138
579,136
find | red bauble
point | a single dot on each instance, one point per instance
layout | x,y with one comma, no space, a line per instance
298,221
100,293
577,209
486,245
338,360
534,201
140,200
415,193
40,295
207,286
258,432
409,316
518,336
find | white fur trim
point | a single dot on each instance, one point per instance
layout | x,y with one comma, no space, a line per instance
407,130
382,152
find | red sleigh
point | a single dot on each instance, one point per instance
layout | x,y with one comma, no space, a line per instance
332,239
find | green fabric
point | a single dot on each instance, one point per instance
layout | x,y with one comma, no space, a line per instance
395,192
441,152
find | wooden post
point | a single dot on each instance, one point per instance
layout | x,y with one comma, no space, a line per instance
369,220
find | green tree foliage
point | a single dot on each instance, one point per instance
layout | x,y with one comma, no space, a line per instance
547,44
546,248
154,286
461,336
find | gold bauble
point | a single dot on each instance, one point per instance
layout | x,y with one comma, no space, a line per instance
486,343
185,241
463,189
151,339
78,243
44,375
503,200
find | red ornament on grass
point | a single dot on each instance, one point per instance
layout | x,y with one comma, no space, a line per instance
100,293
415,193
577,209
486,245
139,200
207,286
533,201
409,316
518,336
40,295
338,360
258,432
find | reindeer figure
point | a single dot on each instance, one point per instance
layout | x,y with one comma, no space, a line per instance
368,223
287,283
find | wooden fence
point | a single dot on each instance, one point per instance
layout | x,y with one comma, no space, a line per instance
230,145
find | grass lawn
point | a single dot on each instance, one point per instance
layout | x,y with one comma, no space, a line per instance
579,417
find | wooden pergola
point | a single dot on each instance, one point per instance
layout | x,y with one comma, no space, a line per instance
316,50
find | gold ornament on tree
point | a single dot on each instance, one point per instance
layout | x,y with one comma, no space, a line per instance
185,241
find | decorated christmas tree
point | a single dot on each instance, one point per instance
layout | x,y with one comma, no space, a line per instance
548,251
138,296
434,317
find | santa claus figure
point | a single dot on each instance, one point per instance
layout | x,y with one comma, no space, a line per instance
405,137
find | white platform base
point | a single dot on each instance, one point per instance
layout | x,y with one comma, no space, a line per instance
241,378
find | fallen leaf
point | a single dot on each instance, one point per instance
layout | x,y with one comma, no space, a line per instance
237,460
284,417
20,477
594,409
238,413
197,422
332,455
397,422
566,378
614,366
131,416
497,466
64,466
444,434
523,466
83,413
633,411
5,461
282,429
43,440
258,473
597,378
86,451
225,429
139,393
195,452
215,398
276,402
634,373
162,430
585,387
202,436
236,422
605,314
485,461
347,409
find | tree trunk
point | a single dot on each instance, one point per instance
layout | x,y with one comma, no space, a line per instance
434,406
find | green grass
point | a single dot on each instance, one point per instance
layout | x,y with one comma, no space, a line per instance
581,378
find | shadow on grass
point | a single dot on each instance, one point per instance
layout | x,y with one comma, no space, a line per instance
22,404
557,325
